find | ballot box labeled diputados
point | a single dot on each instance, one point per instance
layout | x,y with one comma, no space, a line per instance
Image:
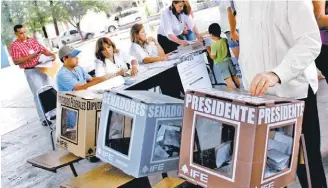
232,139
78,117
140,132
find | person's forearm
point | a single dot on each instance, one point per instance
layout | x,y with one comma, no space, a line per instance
22,60
134,63
208,50
209,53
319,12
93,82
195,30
160,50
48,53
323,21
151,59
232,20
175,39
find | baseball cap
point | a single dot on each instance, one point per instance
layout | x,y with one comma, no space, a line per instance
68,51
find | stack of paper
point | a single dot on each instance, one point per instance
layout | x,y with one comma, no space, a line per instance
227,169
167,142
223,153
269,171
45,61
172,138
277,160
279,146
108,84
287,140
193,45
279,153
163,128
209,133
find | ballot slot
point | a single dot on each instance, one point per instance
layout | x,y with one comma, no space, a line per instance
69,119
118,133
279,150
214,145
167,140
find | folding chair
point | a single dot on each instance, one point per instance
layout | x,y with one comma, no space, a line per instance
47,97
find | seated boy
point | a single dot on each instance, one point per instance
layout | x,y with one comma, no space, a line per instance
219,52
71,76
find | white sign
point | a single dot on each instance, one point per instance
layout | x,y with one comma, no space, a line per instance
193,72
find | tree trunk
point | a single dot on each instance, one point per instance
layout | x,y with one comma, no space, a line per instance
41,20
45,32
56,26
78,27
54,18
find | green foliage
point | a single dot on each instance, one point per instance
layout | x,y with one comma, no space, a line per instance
73,11
35,14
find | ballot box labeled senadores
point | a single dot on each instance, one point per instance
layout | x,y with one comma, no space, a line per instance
232,139
140,132
78,117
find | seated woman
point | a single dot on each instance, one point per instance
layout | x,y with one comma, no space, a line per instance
112,61
145,50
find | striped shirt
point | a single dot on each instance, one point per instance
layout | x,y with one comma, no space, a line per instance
20,49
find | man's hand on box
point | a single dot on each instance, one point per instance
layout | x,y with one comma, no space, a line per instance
262,82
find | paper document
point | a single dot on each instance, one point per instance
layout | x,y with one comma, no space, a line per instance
193,72
45,61
108,84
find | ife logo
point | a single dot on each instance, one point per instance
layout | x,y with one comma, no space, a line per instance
195,174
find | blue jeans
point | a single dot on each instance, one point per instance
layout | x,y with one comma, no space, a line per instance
189,36
232,44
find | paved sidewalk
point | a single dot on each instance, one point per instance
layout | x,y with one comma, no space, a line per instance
23,137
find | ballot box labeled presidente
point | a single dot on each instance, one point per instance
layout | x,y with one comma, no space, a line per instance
140,132
232,139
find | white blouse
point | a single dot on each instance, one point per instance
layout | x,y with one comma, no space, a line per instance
169,23
121,61
286,44
150,50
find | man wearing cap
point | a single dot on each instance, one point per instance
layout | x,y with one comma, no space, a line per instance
25,53
71,76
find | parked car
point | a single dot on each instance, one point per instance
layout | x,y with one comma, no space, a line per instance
71,36
123,18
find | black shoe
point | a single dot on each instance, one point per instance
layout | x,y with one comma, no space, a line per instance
94,159
44,123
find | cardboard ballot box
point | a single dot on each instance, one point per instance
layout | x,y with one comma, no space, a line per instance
231,139
140,132
78,117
